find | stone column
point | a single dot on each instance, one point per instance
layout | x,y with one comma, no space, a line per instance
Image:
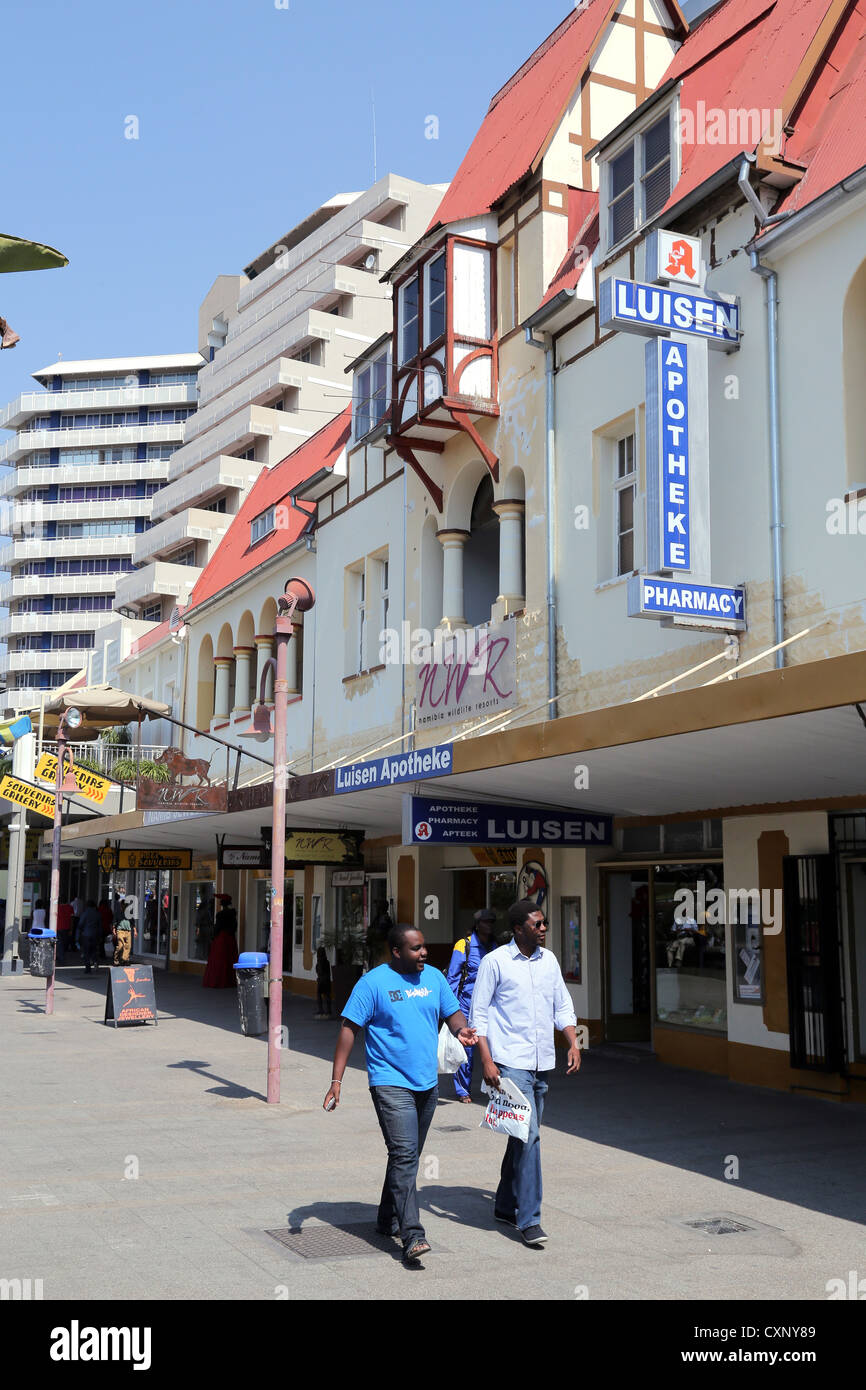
452,577
264,651
223,666
243,659
511,581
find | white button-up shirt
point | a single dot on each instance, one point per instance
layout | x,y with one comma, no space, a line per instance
517,1002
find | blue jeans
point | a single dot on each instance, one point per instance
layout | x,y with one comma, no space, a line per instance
519,1191
404,1117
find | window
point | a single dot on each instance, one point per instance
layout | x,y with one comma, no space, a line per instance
409,321
434,299
85,530
385,575
152,613
624,504
370,396
507,306
361,620
261,526
639,180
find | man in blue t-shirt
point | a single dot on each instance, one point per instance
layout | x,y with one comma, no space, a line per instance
400,1006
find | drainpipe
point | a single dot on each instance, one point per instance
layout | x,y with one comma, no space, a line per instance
772,304
547,347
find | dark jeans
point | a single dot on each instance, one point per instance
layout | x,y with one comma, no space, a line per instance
404,1117
90,950
519,1192
323,1000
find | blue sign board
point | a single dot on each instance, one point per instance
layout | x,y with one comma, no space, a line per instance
428,821
711,605
632,307
401,767
667,436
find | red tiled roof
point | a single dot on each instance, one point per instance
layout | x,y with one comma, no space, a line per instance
522,115
582,241
236,556
743,59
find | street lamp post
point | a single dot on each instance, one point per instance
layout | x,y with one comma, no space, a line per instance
297,597
72,719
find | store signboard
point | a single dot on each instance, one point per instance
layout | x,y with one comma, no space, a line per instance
469,675
427,820
322,847
25,794
347,878
154,859
90,785
709,605
632,307
130,996
668,523
243,856
400,767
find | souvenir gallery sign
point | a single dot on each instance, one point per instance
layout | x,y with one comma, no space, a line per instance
90,785
25,794
428,821
154,859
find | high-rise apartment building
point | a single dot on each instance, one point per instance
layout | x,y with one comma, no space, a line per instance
90,450
278,340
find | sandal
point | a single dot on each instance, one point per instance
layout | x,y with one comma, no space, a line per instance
421,1247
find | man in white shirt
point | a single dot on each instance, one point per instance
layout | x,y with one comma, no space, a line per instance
519,998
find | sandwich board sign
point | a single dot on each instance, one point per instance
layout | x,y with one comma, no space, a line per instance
130,996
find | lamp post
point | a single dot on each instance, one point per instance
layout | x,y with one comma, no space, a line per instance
297,597
72,719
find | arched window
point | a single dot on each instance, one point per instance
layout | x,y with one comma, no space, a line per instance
481,557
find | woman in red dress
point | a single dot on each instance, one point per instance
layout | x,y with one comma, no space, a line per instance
219,972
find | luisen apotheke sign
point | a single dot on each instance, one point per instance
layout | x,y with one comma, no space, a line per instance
400,767
427,820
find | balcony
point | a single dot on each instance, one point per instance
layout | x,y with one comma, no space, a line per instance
220,474
239,432
26,698
114,435
25,624
37,584
15,552
72,475
41,402
31,515
159,579
71,661
194,524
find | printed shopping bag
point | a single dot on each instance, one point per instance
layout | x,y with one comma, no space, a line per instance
508,1111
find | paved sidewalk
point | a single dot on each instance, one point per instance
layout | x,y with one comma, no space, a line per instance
630,1150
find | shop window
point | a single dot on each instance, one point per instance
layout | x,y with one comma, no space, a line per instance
625,488
690,956
200,916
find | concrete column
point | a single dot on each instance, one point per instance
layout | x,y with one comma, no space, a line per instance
511,580
243,661
452,577
223,666
264,651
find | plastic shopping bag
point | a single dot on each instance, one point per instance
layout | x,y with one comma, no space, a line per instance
508,1111
452,1053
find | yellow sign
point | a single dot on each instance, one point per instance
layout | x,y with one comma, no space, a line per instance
26,795
90,785
107,858
154,859
494,854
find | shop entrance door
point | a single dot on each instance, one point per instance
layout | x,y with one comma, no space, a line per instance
814,978
627,954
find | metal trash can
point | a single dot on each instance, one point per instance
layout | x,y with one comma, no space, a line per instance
43,942
251,968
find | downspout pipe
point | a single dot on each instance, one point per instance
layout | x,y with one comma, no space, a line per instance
770,279
548,348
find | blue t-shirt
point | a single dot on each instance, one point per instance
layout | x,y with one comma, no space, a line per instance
401,1016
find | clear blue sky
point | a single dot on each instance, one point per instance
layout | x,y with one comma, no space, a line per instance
249,117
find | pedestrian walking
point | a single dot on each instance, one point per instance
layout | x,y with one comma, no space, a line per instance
323,984
400,1006
122,938
38,918
462,972
64,931
520,997
77,909
90,935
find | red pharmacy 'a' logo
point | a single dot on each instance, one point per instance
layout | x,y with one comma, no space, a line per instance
681,260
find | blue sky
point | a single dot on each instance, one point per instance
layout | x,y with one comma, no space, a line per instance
249,116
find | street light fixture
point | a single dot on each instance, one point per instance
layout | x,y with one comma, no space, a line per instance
70,718
297,597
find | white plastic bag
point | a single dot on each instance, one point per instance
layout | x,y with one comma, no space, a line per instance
452,1053
508,1111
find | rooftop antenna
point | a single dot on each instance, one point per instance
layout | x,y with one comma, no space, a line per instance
373,108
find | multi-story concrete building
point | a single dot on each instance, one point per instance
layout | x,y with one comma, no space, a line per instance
278,339
90,450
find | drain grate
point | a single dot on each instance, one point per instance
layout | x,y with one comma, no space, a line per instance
334,1242
719,1226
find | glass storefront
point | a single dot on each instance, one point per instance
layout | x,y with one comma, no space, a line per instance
689,949
200,917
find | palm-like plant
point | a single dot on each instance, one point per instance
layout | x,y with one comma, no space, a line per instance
126,770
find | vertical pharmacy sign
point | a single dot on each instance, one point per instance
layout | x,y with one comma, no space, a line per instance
680,322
